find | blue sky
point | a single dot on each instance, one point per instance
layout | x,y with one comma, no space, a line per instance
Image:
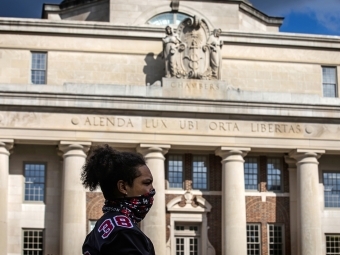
301,16
304,16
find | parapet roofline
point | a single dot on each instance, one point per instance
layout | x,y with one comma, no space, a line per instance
103,29
244,6
269,20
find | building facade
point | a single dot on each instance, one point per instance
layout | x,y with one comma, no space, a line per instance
238,122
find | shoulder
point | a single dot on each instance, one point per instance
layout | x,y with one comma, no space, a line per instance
128,241
116,232
112,222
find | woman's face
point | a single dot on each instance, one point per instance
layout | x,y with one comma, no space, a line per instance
142,184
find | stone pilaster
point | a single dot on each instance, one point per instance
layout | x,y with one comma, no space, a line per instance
154,224
293,206
234,223
5,146
73,208
309,211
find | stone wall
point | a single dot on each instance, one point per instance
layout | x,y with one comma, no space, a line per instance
42,215
273,210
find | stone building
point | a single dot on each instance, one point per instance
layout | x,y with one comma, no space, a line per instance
238,122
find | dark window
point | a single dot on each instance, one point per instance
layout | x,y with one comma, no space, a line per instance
33,242
175,171
275,239
274,174
250,173
199,172
38,71
34,182
329,83
331,182
332,244
253,239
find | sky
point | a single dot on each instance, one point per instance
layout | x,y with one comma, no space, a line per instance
301,16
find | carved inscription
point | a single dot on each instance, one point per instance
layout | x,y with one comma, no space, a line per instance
223,126
188,126
154,123
167,125
232,127
275,128
196,85
108,121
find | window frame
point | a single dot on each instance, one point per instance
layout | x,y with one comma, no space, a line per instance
24,184
259,237
32,70
323,182
282,235
192,171
174,18
167,171
326,235
186,233
257,175
281,174
23,230
335,79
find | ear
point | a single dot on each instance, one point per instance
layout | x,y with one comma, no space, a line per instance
121,186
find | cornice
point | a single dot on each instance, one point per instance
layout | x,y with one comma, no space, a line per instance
250,105
107,30
248,8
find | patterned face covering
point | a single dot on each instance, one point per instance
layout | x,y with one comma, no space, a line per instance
133,207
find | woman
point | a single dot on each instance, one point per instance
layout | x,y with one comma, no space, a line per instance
126,183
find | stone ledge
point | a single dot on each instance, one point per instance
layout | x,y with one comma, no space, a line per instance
178,89
150,99
93,29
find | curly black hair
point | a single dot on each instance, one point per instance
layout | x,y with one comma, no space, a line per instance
105,166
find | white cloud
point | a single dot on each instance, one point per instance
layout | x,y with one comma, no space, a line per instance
327,12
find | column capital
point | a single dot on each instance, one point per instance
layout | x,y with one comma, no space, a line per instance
67,146
291,162
6,145
146,149
225,152
306,155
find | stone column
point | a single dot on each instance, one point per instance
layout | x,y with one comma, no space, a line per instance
293,206
234,223
309,206
5,146
73,208
154,224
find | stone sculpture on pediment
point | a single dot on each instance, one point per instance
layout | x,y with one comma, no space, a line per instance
193,52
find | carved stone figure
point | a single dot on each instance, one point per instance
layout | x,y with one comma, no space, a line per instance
170,46
215,46
192,53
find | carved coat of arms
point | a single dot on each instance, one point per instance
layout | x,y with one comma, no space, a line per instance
193,52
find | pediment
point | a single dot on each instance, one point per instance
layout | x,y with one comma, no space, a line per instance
192,203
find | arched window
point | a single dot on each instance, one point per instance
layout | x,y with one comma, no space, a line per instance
168,18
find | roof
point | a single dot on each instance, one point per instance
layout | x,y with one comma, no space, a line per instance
69,3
